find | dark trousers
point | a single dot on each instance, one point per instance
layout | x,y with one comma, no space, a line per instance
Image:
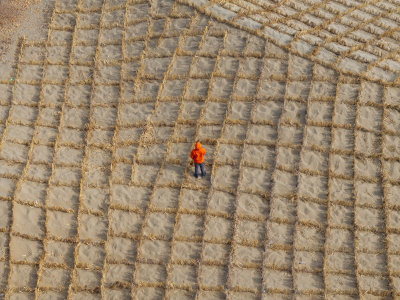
196,170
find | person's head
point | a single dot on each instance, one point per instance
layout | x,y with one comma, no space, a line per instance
197,145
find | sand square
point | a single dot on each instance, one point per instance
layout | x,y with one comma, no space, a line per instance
126,153
90,255
23,114
150,273
25,250
251,231
150,293
311,212
181,65
152,225
280,258
317,136
121,173
25,94
202,66
111,36
277,280
248,255
189,226
79,94
283,208
341,282
369,218
209,132
32,192
288,157
49,116
83,53
125,222
312,186
226,177
234,132
117,273
155,250
183,275
145,173
173,89
71,136
33,53
52,94
268,110
344,114
130,196
217,228
60,224
340,261
373,283
165,197
342,139
76,118
320,111
54,278
165,112
186,251
197,88
341,215
98,157
56,73
108,74
340,239
31,72
138,10
59,253
369,168
121,249
80,74
260,133
94,199
96,177
63,196
308,260
87,278
65,155
221,202
191,44
171,175
255,180
212,276
370,118
92,227
14,152
368,193
371,92
308,237
193,199
227,65
341,164
22,276
313,160
221,88
306,281
285,183
19,133
28,220
58,54
214,111
322,90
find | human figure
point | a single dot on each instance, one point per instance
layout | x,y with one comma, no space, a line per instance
197,155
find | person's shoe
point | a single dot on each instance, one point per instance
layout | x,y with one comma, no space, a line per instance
195,175
203,175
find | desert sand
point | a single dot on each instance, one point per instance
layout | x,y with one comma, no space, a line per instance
296,102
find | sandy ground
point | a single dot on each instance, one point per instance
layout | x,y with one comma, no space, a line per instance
99,110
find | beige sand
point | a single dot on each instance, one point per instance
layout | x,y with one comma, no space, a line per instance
105,102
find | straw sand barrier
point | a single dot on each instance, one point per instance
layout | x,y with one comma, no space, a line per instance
296,103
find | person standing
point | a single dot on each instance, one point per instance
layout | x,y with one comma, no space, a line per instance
197,155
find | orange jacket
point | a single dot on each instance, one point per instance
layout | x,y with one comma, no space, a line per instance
197,153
